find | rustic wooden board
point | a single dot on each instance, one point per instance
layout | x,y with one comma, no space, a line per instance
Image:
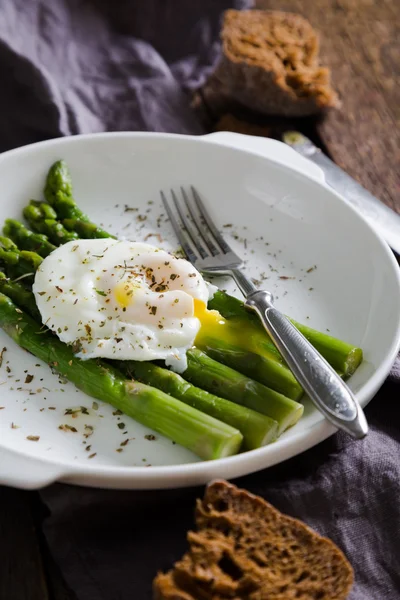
360,42
58,589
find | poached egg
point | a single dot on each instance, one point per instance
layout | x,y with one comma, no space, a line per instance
121,300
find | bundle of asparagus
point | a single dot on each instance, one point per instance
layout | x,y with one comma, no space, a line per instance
256,394
260,415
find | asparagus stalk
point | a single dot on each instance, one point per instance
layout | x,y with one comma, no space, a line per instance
58,193
18,263
228,383
42,218
202,434
342,356
234,311
86,230
7,244
257,429
268,371
26,239
20,295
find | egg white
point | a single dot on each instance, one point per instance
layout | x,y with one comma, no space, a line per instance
120,300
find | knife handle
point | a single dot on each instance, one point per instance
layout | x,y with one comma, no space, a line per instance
382,219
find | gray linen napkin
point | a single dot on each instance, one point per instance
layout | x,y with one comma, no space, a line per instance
76,66
81,66
110,544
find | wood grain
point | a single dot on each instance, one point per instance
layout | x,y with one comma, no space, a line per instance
21,573
360,42
364,136
58,589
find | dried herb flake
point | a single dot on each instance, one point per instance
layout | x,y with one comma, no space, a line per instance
2,355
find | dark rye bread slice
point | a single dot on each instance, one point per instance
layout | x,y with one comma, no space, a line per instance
245,549
270,63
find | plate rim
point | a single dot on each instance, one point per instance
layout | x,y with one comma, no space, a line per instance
48,470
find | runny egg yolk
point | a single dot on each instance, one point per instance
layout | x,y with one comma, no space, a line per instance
213,325
208,318
232,332
124,293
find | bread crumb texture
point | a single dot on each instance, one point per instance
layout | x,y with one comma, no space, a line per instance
270,63
245,549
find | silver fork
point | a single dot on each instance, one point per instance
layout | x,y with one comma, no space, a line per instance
206,249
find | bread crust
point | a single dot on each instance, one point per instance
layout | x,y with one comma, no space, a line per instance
270,63
245,549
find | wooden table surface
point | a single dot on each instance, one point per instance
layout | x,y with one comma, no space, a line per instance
361,44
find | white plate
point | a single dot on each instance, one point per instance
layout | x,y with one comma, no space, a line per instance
355,291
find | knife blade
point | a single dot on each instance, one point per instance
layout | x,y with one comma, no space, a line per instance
383,219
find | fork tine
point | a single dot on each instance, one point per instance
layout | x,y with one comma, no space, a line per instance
179,232
207,221
189,228
202,231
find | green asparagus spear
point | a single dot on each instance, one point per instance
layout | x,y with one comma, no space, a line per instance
20,295
35,213
26,239
7,244
86,230
343,357
19,264
58,193
264,369
257,429
270,372
41,210
226,382
204,435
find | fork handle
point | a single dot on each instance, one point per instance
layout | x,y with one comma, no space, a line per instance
320,382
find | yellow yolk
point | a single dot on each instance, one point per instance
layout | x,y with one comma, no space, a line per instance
233,332
208,318
124,293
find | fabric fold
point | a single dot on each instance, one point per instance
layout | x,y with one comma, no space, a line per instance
83,66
